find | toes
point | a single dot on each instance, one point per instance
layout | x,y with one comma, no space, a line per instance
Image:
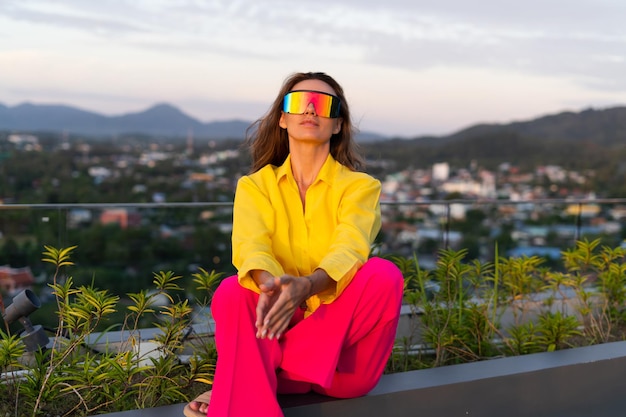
190,412
200,405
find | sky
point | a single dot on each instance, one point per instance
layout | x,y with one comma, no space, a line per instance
408,67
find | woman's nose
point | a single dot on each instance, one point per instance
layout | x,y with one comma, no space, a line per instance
310,109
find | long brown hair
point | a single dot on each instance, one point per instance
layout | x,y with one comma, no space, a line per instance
269,143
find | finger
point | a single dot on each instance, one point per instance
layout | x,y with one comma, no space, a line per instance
262,308
279,315
278,300
279,327
268,286
278,318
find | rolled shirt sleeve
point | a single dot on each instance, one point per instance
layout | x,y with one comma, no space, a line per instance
253,223
358,223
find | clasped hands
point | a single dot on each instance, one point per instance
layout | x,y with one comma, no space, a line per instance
278,300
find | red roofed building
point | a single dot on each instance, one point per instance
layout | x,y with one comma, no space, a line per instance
121,217
13,280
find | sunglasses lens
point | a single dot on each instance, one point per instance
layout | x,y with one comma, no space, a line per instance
326,105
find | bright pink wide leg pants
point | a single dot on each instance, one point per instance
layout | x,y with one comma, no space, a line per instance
340,350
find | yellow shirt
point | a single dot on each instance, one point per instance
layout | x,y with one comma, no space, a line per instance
272,232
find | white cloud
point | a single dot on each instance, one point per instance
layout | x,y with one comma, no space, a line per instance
437,56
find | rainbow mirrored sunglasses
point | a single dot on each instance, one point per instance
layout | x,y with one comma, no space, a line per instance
326,105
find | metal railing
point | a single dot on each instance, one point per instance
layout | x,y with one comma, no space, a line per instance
67,214
578,212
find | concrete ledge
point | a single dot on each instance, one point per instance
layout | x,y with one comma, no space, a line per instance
579,382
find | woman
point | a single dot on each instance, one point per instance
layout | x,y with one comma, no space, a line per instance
307,310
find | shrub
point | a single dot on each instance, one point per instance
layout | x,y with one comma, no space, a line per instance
511,306
70,378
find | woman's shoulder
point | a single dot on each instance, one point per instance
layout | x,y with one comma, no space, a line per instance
346,174
347,181
261,177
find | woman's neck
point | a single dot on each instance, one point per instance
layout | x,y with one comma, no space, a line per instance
306,162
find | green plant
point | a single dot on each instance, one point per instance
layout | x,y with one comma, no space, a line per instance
71,378
447,316
599,276
514,306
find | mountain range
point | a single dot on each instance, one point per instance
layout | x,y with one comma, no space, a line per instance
589,140
604,127
159,120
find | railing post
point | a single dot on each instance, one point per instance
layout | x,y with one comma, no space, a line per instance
578,222
446,235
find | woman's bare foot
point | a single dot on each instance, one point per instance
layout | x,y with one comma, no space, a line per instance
199,406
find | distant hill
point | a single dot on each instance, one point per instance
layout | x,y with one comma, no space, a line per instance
159,120
590,139
586,136
602,127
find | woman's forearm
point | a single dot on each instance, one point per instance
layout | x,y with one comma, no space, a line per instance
260,276
319,281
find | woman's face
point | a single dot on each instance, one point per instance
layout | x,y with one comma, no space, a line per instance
309,126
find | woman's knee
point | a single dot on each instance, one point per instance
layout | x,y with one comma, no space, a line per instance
390,279
226,293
